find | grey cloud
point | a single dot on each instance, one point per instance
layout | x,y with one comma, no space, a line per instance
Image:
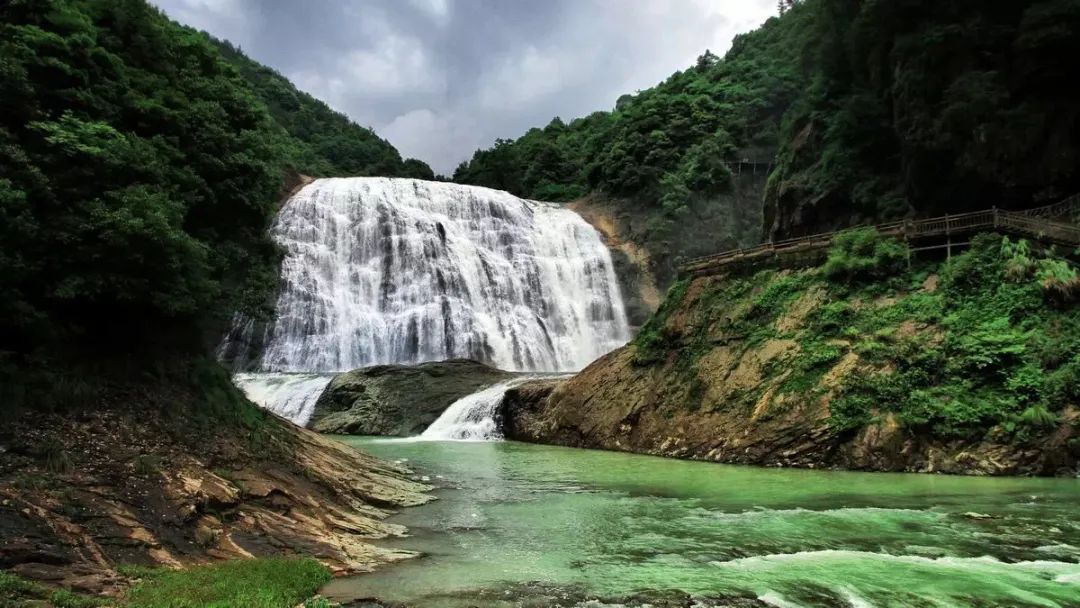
440,78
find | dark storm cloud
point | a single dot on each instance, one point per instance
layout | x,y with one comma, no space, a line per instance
440,78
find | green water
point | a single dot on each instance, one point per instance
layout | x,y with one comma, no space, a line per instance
515,519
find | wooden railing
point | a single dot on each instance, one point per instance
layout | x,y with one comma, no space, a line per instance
1035,223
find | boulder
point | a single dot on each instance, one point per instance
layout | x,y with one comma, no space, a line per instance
398,400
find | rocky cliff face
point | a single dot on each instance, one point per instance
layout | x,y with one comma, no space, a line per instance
754,370
398,400
616,405
647,246
633,264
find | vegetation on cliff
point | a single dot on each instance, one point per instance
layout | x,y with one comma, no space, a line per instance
139,172
872,110
322,142
984,343
873,360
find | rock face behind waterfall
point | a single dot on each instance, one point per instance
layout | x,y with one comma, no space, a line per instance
398,400
381,271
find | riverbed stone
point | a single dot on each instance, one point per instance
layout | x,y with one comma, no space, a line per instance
398,400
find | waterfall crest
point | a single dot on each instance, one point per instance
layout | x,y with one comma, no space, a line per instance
385,270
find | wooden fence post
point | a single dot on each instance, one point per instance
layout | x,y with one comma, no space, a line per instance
948,238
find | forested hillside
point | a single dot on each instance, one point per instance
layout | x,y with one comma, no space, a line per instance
871,110
929,107
139,171
325,142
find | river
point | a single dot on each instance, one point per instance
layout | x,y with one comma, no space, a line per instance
528,525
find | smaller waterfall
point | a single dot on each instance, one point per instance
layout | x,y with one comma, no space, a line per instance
291,396
472,418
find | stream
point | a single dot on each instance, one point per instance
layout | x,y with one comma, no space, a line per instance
528,525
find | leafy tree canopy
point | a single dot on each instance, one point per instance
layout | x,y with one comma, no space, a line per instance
140,166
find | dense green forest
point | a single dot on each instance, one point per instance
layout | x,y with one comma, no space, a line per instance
325,142
139,171
929,107
871,110
662,144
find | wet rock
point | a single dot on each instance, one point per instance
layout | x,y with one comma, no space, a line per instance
397,400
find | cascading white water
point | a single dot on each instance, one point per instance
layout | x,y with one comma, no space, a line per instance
291,396
382,270
471,418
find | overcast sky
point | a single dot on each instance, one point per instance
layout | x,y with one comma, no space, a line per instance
441,78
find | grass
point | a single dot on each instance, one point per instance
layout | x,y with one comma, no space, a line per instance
257,583
17,592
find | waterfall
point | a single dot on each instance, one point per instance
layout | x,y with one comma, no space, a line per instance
291,396
471,418
381,270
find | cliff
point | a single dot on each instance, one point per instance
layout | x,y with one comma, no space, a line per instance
967,366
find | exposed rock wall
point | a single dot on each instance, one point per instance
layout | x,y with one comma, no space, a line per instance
712,392
633,264
646,257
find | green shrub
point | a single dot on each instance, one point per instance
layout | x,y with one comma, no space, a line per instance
1059,281
976,269
1062,385
1026,383
833,317
862,254
814,359
1037,416
779,291
992,346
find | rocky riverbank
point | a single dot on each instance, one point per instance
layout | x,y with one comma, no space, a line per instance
614,405
924,372
136,478
398,400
